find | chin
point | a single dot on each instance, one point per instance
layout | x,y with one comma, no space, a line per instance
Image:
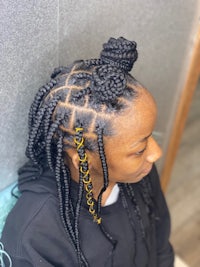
133,181
147,171
139,178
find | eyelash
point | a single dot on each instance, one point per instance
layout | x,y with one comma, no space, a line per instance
140,152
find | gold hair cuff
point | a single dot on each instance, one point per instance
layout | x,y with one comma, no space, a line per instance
86,178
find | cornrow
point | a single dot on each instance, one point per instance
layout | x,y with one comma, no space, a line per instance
81,94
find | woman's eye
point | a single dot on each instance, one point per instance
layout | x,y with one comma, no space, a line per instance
140,152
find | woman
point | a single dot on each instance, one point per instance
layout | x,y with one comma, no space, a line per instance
90,194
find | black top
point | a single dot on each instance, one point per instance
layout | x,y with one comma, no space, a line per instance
34,234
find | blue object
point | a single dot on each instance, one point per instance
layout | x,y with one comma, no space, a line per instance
7,202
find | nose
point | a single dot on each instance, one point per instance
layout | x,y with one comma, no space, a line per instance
154,151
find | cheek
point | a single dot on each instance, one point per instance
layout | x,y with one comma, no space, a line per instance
127,165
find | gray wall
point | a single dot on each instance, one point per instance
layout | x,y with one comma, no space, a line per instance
38,35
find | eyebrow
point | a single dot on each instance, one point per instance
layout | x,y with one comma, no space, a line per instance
141,140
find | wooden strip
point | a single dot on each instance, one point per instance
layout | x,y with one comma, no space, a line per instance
182,112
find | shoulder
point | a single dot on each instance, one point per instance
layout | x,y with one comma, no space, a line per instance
34,231
31,209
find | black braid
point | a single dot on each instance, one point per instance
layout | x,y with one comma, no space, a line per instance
105,185
49,139
103,164
131,194
108,84
69,211
120,53
48,115
125,205
61,196
81,153
58,180
80,94
147,195
65,205
33,135
36,143
59,70
81,75
36,103
93,62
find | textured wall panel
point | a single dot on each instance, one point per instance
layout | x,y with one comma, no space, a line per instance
28,53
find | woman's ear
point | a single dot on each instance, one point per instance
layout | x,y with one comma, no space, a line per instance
73,157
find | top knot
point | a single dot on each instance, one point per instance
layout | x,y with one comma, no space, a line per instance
108,83
120,53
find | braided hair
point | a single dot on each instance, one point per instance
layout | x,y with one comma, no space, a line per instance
74,110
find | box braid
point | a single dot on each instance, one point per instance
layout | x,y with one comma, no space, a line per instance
148,197
103,163
75,110
36,103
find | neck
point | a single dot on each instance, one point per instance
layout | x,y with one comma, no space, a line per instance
106,194
97,184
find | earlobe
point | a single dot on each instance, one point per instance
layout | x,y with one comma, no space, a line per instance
75,161
73,155
74,158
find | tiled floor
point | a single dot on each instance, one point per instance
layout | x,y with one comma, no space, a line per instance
183,193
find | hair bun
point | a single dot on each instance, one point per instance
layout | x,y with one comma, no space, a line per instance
120,53
108,83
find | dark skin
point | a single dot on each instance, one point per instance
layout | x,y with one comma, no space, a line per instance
130,153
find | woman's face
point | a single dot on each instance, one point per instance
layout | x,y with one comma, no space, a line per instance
131,152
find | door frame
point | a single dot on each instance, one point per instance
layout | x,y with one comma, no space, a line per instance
182,112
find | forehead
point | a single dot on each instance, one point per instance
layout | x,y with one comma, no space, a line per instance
138,119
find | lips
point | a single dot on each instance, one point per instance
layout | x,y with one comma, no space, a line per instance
147,170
